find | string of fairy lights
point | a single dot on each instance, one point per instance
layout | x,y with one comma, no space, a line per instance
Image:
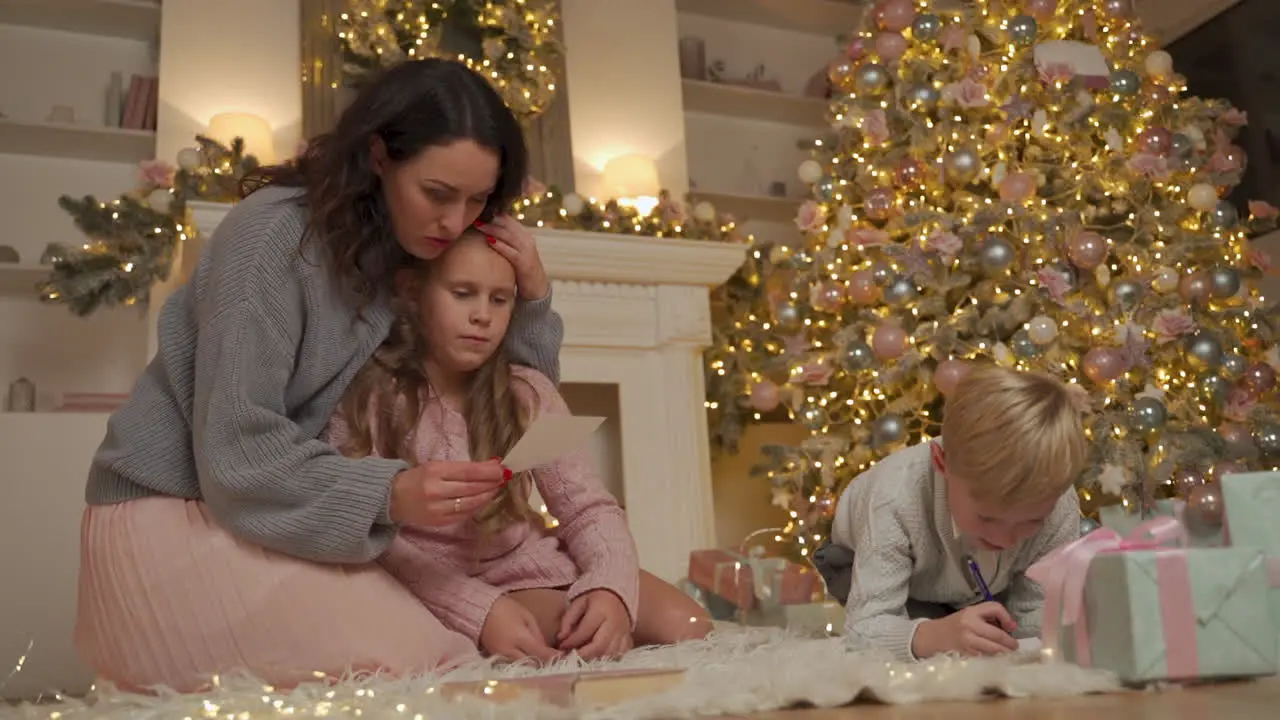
1020,183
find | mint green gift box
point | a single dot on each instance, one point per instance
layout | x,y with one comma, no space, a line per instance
1252,502
1128,595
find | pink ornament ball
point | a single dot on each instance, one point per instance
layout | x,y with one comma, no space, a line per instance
1087,250
1258,379
889,341
1204,503
1195,288
856,48
1103,365
909,172
1234,434
948,375
896,15
1017,187
879,203
1042,10
764,396
862,289
1155,141
890,46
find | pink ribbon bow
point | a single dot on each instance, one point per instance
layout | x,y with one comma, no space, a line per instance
1062,574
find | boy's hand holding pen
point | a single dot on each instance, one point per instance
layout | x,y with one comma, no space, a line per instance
982,629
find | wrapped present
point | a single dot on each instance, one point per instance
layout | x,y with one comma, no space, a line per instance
1123,519
1148,607
749,581
824,618
1252,502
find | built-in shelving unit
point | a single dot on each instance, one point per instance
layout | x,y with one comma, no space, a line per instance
818,17
742,102
20,279
57,58
129,19
744,137
80,142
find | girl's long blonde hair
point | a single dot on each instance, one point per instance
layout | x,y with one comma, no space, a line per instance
384,404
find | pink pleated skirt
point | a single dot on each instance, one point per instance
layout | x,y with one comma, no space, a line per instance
168,598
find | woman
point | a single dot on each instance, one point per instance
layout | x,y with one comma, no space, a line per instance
221,534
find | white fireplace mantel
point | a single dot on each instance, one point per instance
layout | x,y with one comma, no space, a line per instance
636,315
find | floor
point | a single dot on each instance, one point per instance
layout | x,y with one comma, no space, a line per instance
1233,701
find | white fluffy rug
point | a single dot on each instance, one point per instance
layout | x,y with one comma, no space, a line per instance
734,671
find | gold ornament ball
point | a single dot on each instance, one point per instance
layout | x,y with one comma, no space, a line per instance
1202,197
810,171
1165,280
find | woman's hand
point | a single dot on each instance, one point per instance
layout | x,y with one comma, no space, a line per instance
597,626
439,494
516,243
511,631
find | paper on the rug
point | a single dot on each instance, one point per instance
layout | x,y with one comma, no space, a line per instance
549,438
1034,644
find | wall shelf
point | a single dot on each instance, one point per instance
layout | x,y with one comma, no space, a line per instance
80,142
820,17
745,208
750,104
20,279
130,19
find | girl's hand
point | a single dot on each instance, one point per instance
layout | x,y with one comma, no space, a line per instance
597,626
440,494
516,243
511,631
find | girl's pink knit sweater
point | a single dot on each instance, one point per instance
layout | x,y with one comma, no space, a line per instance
458,576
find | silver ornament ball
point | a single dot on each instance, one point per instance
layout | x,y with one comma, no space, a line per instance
924,97
963,166
1213,387
926,27
1088,525
1126,294
787,314
1204,352
887,431
996,255
1224,282
825,188
1224,214
1267,437
857,356
1022,30
871,78
1022,346
1233,364
1125,82
1149,414
900,291
1181,146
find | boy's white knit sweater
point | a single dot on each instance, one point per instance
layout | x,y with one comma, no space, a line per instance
896,519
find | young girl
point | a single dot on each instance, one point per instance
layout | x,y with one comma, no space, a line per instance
441,389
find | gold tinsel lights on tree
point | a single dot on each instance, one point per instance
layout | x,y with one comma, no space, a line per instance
512,43
130,242
1022,183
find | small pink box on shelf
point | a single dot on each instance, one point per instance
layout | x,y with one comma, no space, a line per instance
92,402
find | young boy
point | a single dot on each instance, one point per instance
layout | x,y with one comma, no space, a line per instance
1001,495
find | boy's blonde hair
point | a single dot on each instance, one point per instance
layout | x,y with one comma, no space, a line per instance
1013,437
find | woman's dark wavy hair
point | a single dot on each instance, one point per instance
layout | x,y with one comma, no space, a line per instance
411,107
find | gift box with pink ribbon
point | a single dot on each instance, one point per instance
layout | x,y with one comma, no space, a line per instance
1148,607
748,582
1252,503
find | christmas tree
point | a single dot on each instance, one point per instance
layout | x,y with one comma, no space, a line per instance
130,242
1019,182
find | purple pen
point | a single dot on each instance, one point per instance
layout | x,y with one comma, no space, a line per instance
977,578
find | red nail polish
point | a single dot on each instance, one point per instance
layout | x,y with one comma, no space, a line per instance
506,475
492,240
496,457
